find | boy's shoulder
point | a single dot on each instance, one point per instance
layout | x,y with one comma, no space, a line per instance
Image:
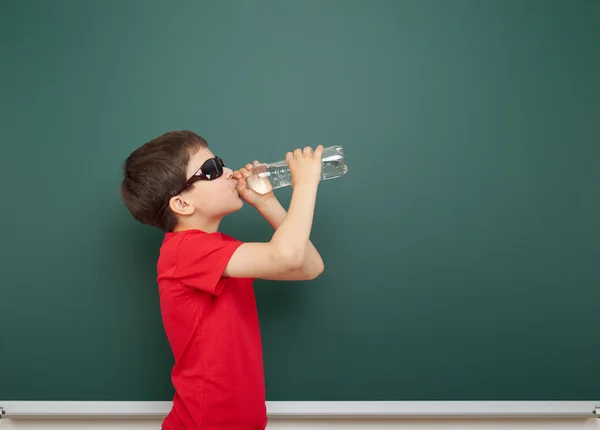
196,258
191,246
173,241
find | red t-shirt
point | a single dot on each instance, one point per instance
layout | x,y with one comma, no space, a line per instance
211,322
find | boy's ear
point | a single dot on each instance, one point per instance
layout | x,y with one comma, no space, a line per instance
180,206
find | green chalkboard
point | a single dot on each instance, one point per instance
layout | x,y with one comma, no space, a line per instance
462,249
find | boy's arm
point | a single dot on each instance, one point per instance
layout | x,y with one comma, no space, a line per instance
283,257
313,265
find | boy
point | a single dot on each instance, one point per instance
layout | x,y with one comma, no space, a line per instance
175,183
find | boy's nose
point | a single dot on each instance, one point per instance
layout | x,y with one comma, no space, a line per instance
227,172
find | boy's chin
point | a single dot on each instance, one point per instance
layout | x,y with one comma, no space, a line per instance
236,206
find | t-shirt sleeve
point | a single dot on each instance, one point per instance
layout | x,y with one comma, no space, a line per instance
202,259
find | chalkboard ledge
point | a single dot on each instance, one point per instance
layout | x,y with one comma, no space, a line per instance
328,409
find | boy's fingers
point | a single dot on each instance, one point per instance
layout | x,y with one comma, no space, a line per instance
308,150
256,162
237,174
319,151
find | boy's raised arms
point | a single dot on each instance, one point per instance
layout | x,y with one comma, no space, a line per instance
289,255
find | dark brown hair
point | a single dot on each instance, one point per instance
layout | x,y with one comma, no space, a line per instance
154,172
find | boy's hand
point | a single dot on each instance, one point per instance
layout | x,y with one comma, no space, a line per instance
250,196
305,165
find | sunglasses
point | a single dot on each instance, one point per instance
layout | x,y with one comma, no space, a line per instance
210,170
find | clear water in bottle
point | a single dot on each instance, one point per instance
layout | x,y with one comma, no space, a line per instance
265,177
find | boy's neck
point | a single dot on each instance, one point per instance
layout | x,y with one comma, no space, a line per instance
206,225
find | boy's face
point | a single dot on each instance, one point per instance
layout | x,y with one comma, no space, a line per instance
215,198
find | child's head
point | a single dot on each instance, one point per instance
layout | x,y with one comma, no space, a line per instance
175,181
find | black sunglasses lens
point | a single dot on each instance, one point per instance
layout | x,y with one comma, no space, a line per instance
213,168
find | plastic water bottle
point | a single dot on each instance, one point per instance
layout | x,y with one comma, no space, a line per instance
265,177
